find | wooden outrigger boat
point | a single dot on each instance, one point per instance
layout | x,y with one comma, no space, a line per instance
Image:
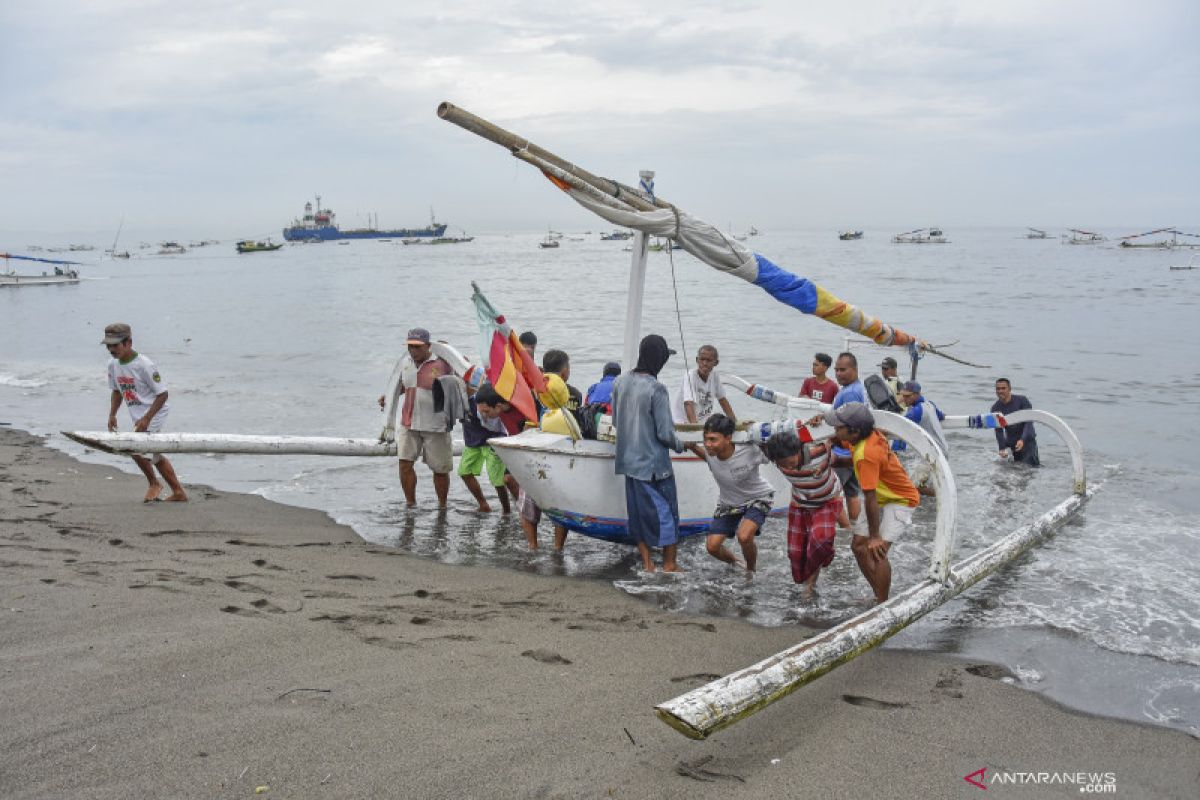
921,236
573,480
60,276
1162,244
1083,237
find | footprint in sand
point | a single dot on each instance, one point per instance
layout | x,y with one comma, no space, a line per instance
268,606
870,702
546,657
241,612
704,677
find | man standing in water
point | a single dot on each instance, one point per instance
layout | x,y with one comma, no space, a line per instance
645,437
1019,440
423,432
133,378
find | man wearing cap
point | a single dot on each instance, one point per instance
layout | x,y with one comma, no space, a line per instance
601,391
422,432
888,368
134,379
889,497
924,413
645,437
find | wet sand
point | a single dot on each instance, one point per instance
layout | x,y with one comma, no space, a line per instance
211,648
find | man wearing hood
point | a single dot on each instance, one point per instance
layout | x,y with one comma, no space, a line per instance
645,435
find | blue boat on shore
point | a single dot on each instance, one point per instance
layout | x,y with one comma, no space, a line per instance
320,224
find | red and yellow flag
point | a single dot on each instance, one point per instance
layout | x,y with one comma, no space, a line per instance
509,367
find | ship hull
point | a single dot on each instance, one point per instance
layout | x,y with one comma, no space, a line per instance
330,233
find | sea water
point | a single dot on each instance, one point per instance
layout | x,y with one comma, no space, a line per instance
1105,616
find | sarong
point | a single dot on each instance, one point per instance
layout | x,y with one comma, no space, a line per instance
810,536
653,511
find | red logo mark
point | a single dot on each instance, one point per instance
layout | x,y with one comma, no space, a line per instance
980,774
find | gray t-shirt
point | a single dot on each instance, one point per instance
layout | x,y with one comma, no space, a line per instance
739,478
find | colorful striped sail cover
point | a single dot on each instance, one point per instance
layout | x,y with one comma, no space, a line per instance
725,254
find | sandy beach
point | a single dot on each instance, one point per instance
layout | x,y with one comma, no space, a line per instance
214,648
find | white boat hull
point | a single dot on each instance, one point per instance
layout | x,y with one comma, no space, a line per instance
575,484
11,279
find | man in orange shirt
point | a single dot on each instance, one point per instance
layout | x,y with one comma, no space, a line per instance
889,497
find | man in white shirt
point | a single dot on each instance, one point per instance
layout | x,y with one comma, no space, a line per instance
701,391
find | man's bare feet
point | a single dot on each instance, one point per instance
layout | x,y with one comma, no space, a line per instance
152,493
672,568
484,508
178,497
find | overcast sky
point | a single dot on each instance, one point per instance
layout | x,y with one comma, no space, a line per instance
222,119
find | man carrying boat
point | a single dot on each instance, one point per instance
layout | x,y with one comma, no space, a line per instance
423,432
645,437
1019,441
888,495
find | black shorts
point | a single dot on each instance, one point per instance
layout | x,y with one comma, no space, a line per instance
849,481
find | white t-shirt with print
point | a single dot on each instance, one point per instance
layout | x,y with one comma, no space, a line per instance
139,384
704,394
738,476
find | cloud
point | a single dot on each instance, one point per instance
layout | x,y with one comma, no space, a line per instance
775,94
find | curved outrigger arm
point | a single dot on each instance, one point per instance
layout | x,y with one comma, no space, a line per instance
992,421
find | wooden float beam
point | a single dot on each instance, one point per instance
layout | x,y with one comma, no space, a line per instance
136,443
723,702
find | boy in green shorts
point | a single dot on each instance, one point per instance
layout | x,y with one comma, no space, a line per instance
482,422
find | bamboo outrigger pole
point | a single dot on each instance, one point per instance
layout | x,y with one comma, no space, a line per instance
564,170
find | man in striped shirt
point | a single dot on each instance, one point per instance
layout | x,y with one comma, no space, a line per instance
816,506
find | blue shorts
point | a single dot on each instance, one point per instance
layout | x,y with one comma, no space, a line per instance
653,509
727,524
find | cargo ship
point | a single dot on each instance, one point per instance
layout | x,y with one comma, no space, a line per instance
321,225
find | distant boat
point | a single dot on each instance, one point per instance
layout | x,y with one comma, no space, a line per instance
1083,237
171,249
442,240
1190,265
850,236
921,236
616,236
251,246
322,224
753,231
550,241
1035,233
1163,244
63,272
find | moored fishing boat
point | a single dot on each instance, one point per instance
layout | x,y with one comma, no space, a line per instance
850,236
251,246
1173,243
1083,237
63,273
921,236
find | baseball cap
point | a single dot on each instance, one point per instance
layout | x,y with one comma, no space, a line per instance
612,368
888,362
418,336
911,386
116,333
852,415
